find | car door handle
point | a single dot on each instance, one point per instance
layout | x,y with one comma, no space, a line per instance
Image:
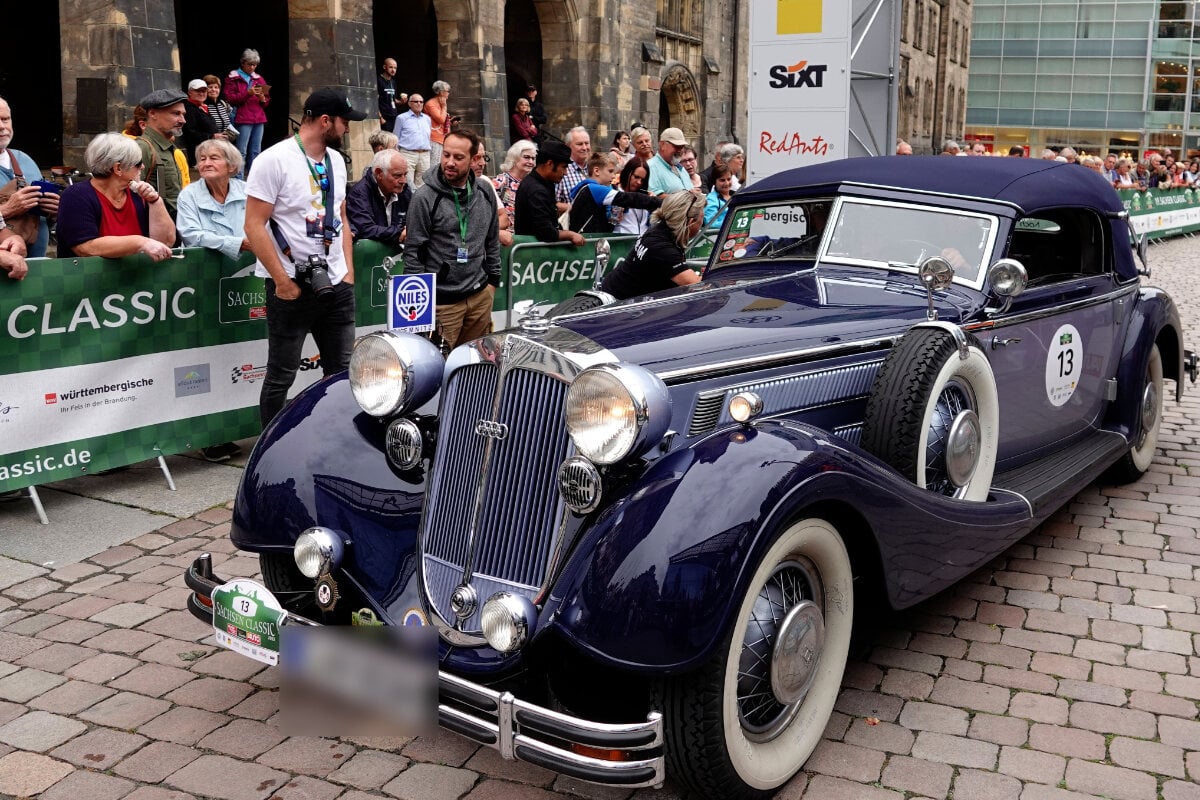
998,342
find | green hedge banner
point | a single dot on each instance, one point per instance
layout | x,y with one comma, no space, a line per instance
108,362
1160,213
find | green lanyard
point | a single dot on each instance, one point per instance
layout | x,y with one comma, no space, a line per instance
316,178
326,192
458,209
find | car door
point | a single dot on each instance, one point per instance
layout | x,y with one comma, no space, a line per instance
1054,350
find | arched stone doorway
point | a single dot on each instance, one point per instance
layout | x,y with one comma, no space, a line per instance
560,87
522,50
679,103
31,82
205,49
407,30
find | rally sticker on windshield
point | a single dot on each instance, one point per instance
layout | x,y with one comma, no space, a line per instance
1064,362
246,619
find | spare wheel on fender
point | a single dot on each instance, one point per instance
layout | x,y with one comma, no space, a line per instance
933,412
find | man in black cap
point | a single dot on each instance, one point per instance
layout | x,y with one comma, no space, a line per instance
534,210
297,227
165,116
537,111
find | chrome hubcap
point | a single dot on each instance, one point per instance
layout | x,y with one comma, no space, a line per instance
797,652
1149,411
962,448
940,446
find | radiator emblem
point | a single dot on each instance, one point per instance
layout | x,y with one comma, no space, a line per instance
491,429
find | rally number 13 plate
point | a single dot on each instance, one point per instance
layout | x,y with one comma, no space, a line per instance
246,619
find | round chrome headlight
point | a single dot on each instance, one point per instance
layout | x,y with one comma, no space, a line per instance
507,621
614,411
318,550
394,372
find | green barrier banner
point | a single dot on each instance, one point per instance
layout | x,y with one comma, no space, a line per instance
108,362
1160,213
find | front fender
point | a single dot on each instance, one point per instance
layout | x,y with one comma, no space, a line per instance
322,462
654,582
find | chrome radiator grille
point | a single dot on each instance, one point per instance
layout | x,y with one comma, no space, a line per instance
493,504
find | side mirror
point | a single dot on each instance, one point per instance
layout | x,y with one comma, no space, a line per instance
603,251
936,274
1141,246
1008,278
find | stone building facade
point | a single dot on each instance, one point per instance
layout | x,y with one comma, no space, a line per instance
601,63
935,41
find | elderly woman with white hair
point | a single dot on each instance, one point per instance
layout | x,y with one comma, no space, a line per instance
728,154
212,214
212,211
518,162
657,260
114,214
439,116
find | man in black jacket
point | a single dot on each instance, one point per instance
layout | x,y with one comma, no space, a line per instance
534,209
537,111
378,204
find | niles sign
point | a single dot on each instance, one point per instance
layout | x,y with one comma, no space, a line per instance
799,93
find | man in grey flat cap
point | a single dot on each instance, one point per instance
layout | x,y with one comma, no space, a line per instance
165,115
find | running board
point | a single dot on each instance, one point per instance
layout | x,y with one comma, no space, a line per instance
1048,482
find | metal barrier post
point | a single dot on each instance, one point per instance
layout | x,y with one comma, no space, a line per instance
37,505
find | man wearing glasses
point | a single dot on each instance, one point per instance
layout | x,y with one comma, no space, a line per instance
296,217
413,129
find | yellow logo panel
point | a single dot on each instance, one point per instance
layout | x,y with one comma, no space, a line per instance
798,16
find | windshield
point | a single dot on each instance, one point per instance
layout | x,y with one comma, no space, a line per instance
874,233
785,229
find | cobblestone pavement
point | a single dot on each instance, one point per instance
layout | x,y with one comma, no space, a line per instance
1066,669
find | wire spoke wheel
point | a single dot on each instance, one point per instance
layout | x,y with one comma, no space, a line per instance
743,723
761,712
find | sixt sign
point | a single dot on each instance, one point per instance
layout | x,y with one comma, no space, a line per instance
798,75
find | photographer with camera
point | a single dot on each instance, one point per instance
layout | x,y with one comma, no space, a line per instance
297,227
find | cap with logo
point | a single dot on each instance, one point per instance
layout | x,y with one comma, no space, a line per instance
197,83
673,136
162,98
332,102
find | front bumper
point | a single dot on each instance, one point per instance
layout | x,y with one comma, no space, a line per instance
627,755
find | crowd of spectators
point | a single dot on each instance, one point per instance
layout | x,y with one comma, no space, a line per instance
1157,170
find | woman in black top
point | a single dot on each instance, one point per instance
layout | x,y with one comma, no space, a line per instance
656,262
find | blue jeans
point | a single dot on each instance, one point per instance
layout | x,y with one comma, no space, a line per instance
249,143
330,320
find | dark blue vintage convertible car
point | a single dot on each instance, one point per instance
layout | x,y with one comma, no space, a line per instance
637,530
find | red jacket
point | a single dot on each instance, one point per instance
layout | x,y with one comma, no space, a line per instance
249,106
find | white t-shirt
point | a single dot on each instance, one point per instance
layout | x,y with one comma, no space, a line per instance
281,176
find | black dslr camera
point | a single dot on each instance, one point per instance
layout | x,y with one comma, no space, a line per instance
314,271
